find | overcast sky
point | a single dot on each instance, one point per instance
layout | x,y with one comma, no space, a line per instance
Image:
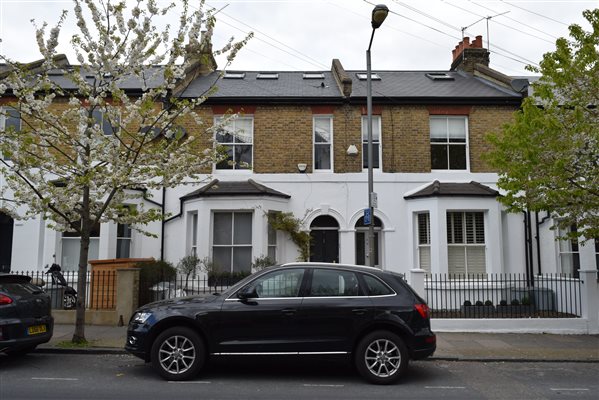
305,35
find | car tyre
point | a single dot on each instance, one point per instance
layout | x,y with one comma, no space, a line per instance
178,354
381,357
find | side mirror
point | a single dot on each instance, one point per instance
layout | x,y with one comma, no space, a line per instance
247,292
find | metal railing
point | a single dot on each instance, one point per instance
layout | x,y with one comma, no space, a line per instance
155,289
100,288
503,296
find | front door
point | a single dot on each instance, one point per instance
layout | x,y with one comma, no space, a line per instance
324,246
6,230
265,323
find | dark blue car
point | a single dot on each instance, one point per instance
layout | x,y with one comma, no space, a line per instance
372,317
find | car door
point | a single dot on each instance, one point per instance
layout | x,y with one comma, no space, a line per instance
334,309
266,321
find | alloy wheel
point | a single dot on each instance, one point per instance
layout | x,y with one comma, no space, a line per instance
383,358
177,354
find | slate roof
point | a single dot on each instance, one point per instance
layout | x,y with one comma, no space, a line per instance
464,189
416,84
395,86
288,85
234,188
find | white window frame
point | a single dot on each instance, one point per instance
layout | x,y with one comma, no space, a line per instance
124,238
193,234
573,254
234,169
376,122
3,118
101,122
427,245
232,245
466,144
330,143
271,241
464,244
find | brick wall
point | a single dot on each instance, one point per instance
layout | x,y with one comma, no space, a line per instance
283,136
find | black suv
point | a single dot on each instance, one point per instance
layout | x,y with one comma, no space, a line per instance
25,315
373,316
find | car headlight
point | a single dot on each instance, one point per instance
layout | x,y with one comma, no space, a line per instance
140,317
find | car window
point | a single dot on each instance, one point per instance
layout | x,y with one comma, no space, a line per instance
284,283
376,287
328,282
19,289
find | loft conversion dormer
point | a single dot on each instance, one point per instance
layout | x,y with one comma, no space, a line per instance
364,76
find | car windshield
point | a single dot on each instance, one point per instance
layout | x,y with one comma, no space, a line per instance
241,284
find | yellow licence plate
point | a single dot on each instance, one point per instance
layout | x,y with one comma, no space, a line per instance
36,329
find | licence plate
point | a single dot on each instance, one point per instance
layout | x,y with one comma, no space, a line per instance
36,329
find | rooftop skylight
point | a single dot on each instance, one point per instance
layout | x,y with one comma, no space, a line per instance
439,76
313,75
267,75
234,75
364,76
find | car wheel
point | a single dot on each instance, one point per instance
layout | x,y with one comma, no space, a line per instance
381,357
178,354
69,301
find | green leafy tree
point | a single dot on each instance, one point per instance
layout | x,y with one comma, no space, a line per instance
87,146
548,158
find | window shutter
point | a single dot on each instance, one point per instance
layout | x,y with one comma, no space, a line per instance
424,229
456,260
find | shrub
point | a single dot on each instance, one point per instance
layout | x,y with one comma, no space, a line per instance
262,262
467,303
503,303
488,303
152,272
479,303
515,302
525,301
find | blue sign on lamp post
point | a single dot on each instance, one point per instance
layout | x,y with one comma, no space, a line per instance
367,216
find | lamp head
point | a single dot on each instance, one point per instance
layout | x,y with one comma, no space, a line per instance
378,15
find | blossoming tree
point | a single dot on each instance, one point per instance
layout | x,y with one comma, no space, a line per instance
548,158
87,142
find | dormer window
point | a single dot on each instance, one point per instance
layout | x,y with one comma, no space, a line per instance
313,75
234,75
364,76
267,75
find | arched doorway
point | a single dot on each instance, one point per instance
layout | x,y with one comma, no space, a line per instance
324,246
6,229
362,242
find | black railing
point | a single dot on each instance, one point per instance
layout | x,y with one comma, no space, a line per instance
155,289
100,288
503,296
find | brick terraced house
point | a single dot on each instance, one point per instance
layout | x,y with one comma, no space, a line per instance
299,147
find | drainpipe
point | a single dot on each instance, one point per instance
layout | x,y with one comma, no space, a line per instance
539,223
162,210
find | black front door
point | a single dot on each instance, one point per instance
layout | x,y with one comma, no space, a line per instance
6,229
324,246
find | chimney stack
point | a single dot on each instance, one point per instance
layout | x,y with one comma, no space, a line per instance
466,55
200,61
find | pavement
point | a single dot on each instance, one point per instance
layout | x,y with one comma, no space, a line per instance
524,347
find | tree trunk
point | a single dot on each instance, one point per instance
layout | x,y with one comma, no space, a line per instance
79,335
86,226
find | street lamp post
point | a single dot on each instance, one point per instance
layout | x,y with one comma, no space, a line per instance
378,16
